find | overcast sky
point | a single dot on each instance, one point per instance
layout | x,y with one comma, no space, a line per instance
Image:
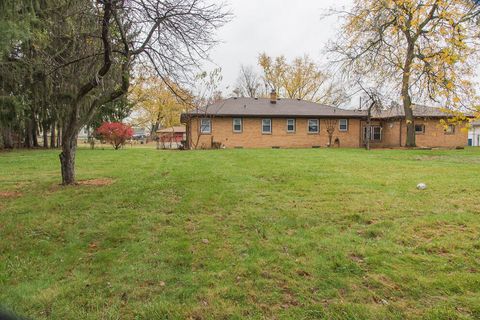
288,27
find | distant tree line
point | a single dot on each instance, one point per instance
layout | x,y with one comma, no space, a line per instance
301,78
39,67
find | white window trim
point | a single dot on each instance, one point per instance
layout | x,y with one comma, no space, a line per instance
209,126
294,125
267,132
365,129
241,125
340,125
372,133
308,126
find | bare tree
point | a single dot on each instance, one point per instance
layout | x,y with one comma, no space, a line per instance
171,36
207,92
249,83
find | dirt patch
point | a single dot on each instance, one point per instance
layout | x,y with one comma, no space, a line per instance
96,182
10,194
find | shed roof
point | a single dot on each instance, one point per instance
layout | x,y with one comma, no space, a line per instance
174,129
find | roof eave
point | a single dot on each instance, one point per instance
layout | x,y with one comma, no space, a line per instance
186,116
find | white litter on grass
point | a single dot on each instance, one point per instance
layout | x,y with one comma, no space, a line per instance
421,186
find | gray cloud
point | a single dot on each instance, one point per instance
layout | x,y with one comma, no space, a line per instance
292,28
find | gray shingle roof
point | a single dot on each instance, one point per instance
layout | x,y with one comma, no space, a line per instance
397,111
262,107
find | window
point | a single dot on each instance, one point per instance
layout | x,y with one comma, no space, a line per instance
375,133
313,126
205,125
450,129
290,125
237,124
419,128
343,125
266,125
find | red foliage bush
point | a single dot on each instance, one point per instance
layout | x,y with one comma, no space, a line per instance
116,133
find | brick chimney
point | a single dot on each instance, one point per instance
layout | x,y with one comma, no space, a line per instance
273,96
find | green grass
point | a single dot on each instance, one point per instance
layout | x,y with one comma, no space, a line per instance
235,234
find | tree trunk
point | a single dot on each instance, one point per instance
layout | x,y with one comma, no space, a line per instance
410,143
369,128
407,100
28,136
156,126
34,134
7,137
59,135
33,129
45,128
67,159
53,139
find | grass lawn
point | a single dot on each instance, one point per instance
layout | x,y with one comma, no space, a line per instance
234,234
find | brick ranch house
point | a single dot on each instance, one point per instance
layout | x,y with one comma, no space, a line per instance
290,123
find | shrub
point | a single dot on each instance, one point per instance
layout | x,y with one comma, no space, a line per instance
115,133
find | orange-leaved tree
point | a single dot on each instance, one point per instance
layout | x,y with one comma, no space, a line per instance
115,133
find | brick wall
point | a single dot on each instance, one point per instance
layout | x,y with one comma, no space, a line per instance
394,133
390,134
434,135
252,137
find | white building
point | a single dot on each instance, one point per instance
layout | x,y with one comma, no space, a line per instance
84,133
474,134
